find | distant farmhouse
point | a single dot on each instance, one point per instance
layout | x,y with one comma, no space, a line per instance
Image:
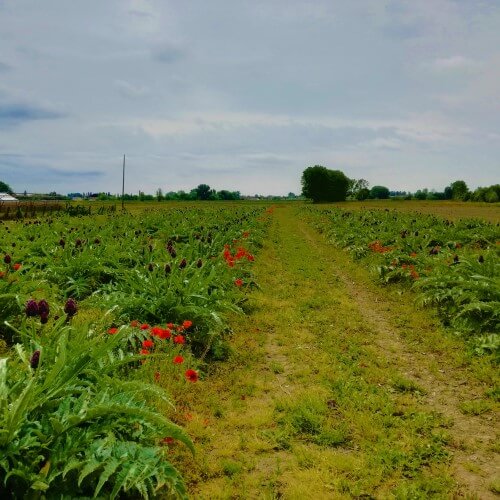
7,197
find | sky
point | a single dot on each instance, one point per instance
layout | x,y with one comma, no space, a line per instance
244,95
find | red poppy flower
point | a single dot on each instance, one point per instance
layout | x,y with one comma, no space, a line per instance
112,331
170,325
156,331
192,375
246,234
145,326
178,360
144,351
157,376
148,343
168,440
17,266
165,333
238,282
241,253
250,257
134,323
187,324
179,339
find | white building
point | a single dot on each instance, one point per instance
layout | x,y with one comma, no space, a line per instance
7,197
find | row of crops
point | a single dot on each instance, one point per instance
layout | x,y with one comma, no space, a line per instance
98,316
451,265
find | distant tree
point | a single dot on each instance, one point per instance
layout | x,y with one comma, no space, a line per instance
355,187
435,195
491,196
459,190
224,194
321,184
422,194
182,195
5,188
379,192
292,196
363,194
159,194
204,192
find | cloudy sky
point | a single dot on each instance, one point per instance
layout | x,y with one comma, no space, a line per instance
243,95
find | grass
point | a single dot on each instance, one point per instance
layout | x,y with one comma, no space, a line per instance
311,407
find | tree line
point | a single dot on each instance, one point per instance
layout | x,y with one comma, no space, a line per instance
321,184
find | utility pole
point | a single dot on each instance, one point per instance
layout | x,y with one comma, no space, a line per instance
123,182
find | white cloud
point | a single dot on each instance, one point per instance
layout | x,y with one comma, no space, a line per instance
130,90
217,91
456,63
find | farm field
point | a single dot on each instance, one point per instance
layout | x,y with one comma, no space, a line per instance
299,352
447,209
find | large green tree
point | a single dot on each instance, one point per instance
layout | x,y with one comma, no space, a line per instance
204,192
322,184
459,190
5,188
379,192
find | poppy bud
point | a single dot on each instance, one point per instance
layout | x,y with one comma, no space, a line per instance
7,258
70,308
183,264
31,308
199,263
35,359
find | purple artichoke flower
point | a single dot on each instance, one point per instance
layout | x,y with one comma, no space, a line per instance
35,359
43,308
70,308
31,308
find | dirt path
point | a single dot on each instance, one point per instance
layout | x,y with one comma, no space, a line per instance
327,396
475,462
